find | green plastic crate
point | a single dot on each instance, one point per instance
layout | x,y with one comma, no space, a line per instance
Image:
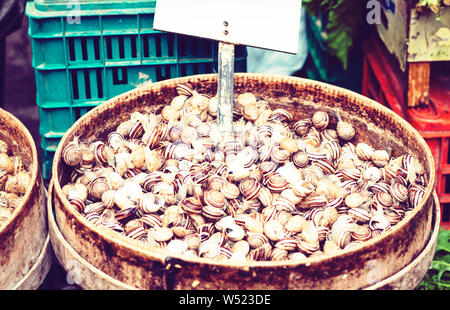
110,51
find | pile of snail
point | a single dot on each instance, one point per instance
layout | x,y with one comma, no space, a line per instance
14,181
274,189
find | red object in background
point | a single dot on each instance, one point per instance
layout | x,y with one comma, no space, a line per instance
384,82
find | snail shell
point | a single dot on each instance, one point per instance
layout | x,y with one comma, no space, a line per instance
345,130
364,151
289,145
191,205
71,154
245,99
249,188
279,156
250,112
380,158
300,159
320,120
354,200
278,254
149,203
185,89
384,199
302,127
399,192
108,198
97,187
359,214
214,198
230,191
281,203
212,213
276,183
169,113
274,230
362,233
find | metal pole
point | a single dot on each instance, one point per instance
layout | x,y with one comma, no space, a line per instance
225,88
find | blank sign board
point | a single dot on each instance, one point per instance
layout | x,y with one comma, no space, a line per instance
268,24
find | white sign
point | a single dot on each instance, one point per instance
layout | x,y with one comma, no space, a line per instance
268,24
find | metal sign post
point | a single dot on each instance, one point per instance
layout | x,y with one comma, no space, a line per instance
267,24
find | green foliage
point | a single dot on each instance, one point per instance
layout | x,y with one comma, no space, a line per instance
438,276
345,22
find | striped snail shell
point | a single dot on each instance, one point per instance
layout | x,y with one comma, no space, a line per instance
230,191
279,156
364,151
151,180
214,198
300,159
217,183
255,240
320,120
134,229
185,89
278,254
416,194
361,233
108,198
282,203
322,232
384,199
359,214
399,192
265,152
380,187
77,203
281,115
302,127
329,135
125,213
345,130
72,154
351,174
212,213
276,183
262,253
151,220
306,247
325,165
249,188
288,244
267,167
191,205
316,201
150,203
97,187
152,138
264,130
136,130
